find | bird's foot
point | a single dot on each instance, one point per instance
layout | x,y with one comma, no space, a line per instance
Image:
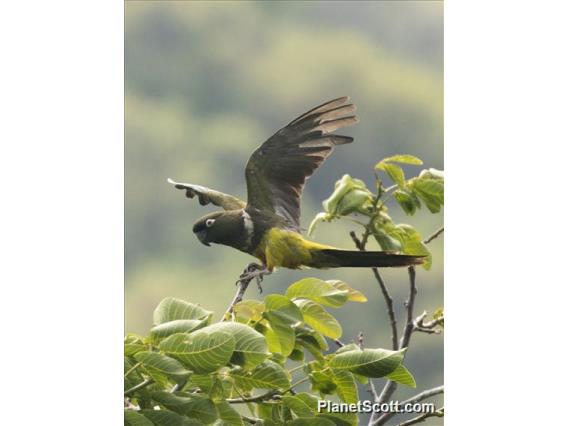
256,272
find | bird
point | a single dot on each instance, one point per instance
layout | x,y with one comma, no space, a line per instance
267,225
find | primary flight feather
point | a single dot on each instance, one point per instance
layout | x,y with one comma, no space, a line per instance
267,226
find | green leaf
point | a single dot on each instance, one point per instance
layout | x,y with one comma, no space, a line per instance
249,310
298,406
166,329
387,242
421,249
320,217
439,314
171,309
407,200
402,159
350,196
131,349
342,419
297,354
203,351
163,364
283,307
196,407
133,418
172,401
394,172
431,191
411,242
322,382
168,418
368,362
250,346
202,409
217,391
310,344
279,335
318,291
312,336
347,348
202,381
431,174
352,294
403,376
319,319
346,386
134,378
228,414
267,375
355,201
133,338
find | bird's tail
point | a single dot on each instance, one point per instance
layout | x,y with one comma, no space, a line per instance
334,258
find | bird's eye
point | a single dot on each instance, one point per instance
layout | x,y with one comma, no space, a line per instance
209,223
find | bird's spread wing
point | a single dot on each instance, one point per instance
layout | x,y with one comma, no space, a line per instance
277,171
206,196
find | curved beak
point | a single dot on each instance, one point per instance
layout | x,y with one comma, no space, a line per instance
201,235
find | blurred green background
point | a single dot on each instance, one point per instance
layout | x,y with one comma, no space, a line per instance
207,82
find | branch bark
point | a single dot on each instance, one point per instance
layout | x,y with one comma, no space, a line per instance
241,289
423,417
390,386
417,398
139,386
360,244
434,236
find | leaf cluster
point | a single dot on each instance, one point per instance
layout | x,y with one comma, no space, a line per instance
351,197
190,371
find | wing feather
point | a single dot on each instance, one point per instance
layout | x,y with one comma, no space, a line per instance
206,196
277,171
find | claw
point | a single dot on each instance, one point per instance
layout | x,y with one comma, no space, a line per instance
255,272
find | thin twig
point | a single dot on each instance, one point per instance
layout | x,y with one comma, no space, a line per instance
241,289
251,420
372,390
428,327
434,235
390,386
409,327
423,417
138,364
268,395
417,398
139,386
386,295
259,398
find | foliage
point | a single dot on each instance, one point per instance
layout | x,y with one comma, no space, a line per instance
352,197
255,364
247,368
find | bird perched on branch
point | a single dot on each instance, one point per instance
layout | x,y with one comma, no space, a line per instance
267,226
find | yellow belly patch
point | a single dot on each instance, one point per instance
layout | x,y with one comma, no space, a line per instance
286,248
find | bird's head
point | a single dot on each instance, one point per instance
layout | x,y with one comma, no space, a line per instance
217,227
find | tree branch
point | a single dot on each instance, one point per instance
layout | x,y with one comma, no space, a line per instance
390,386
386,295
259,398
428,327
139,386
242,286
417,398
268,395
434,236
423,417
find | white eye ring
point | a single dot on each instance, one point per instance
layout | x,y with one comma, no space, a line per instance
209,223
